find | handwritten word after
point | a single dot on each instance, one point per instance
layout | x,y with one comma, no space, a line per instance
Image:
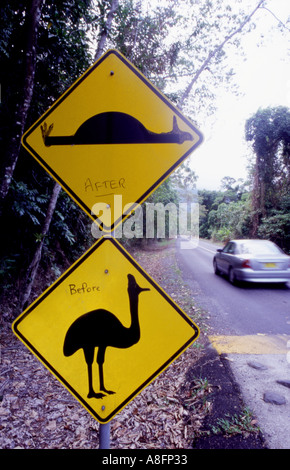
103,186
83,289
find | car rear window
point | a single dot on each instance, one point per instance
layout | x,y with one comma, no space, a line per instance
259,248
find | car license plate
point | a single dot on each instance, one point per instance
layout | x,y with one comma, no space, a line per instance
270,265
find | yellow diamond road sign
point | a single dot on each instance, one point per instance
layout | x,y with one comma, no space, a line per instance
105,329
112,133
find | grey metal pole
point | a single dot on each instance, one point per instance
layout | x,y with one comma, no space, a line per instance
104,436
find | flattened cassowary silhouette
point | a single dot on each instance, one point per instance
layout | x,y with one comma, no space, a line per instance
113,127
100,328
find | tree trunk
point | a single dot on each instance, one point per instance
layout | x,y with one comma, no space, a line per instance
255,201
12,153
33,267
106,29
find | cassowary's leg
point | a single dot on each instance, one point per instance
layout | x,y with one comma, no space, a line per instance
89,356
100,361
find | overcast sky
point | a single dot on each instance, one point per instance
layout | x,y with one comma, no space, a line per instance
264,80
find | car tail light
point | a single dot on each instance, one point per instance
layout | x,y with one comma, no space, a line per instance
246,263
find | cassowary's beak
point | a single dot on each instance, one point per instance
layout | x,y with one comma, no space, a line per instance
132,282
142,289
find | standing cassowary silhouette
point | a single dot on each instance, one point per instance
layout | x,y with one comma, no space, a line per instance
100,328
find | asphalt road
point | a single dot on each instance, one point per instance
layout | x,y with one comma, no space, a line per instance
241,310
249,326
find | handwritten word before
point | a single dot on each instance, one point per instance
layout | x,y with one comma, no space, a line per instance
84,289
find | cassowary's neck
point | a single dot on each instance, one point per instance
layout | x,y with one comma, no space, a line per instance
134,329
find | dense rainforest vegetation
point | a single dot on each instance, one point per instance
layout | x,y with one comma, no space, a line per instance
182,48
260,207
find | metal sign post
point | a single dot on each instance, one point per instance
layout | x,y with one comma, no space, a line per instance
104,436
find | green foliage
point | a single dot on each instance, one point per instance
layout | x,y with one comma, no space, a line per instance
276,226
165,193
236,424
63,51
184,181
277,229
148,216
225,214
70,228
229,221
28,203
8,269
162,203
24,215
268,130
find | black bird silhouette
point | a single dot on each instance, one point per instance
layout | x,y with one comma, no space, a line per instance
114,128
100,328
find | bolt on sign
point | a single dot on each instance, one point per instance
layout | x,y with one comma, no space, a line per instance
111,133
105,329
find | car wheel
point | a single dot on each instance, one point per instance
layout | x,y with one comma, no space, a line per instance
232,277
215,268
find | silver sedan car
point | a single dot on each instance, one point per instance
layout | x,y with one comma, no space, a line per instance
253,261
